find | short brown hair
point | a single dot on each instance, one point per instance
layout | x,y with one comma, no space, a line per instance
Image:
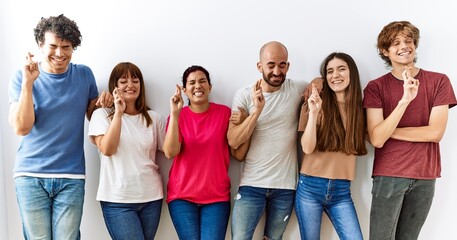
390,31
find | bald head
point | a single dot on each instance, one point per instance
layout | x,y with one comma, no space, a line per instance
273,46
273,65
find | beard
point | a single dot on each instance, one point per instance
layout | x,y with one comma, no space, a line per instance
274,83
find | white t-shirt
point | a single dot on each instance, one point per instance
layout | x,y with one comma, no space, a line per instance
271,161
131,174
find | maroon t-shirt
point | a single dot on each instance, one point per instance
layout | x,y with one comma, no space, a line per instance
397,158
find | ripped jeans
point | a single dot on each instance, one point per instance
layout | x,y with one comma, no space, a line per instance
252,202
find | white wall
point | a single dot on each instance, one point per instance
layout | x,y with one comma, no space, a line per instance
165,37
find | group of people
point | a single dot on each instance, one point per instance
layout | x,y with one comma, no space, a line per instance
403,114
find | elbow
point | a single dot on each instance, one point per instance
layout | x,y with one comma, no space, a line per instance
22,131
376,143
231,141
238,157
169,153
108,153
437,137
307,149
233,144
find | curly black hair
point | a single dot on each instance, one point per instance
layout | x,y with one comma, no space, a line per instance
63,27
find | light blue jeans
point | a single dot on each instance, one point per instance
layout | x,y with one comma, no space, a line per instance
132,221
250,204
195,221
316,195
50,208
399,207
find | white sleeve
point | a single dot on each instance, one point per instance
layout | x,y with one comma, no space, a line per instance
99,122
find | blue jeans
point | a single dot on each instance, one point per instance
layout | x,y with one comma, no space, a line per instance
50,208
194,221
316,195
132,221
399,207
251,202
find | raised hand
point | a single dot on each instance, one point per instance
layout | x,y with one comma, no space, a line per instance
119,102
257,96
314,101
30,71
176,101
410,86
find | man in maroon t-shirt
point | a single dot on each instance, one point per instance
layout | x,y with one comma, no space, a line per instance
407,112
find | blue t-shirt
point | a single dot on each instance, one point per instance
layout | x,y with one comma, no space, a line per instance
55,143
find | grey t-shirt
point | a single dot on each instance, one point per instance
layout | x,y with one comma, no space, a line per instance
271,161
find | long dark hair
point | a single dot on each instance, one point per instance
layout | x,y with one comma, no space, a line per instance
124,69
332,136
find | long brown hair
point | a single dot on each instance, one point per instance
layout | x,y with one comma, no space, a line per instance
331,133
124,69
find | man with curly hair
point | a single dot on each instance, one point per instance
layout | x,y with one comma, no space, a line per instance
407,111
48,102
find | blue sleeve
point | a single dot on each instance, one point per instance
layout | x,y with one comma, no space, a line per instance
14,88
93,90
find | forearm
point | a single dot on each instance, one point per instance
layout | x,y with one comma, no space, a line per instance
241,152
91,108
433,132
309,138
239,134
418,134
172,146
22,113
109,143
381,132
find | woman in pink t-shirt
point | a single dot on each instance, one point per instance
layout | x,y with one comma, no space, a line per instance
199,185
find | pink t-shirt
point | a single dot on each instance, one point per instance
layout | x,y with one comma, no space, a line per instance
199,173
417,160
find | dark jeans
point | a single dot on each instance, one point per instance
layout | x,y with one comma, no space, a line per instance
399,207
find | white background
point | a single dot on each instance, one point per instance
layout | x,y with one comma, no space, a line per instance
165,37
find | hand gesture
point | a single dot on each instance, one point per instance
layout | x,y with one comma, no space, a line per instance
257,96
314,101
105,100
30,71
119,102
410,85
316,82
176,101
238,117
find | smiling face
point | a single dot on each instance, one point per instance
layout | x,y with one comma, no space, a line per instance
197,88
57,53
273,65
402,51
129,87
338,75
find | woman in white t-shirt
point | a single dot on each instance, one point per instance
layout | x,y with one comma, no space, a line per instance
128,137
